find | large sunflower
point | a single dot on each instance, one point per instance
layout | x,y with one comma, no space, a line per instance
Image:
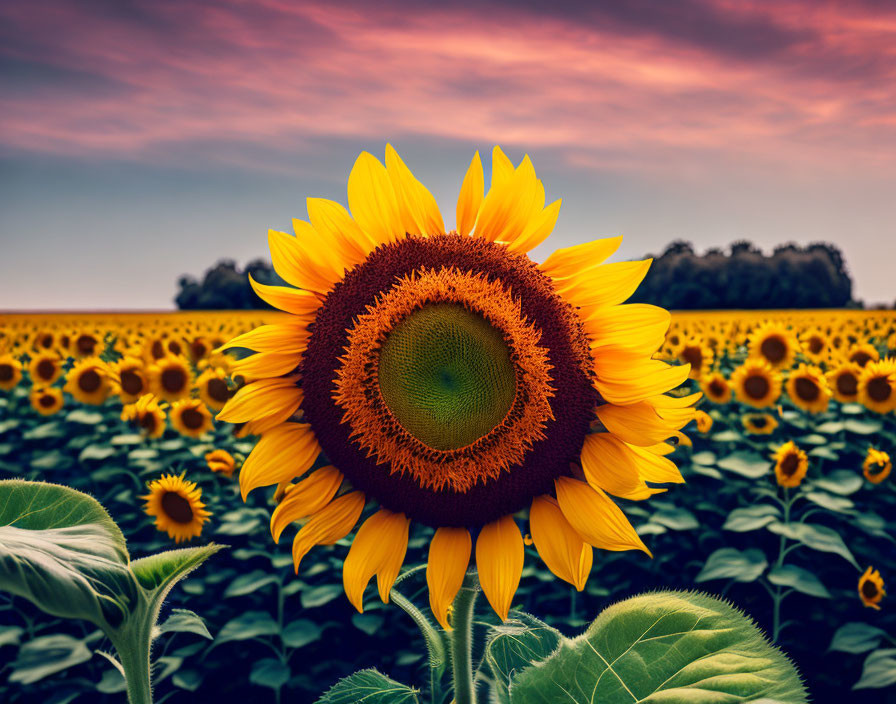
453,381
44,368
877,386
773,343
756,383
844,382
808,389
10,372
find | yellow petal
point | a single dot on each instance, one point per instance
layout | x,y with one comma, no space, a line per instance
608,465
470,198
653,467
279,397
372,200
637,328
283,453
561,548
502,168
624,379
508,207
329,525
606,285
306,498
333,221
571,261
292,300
264,365
449,557
326,253
638,424
670,402
418,208
538,229
378,549
595,517
272,338
295,266
499,560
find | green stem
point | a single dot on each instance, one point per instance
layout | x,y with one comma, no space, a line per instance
133,652
461,640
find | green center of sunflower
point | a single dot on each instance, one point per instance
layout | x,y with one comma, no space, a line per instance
446,375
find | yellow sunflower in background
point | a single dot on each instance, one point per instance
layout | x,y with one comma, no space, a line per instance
88,381
844,382
815,345
177,506
220,461
704,421
756,383
773,343
45,368
877,466
170,378
132,379
147,414
862,354
190,417
213,388
452,381
871,588
10,372
791,464
877,386
85,343
695,352
46,401
808,389
759,423
716,388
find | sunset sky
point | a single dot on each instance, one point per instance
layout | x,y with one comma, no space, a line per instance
145,139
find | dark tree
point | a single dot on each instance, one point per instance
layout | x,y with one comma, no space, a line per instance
225,287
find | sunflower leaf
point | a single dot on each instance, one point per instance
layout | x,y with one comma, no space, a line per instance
370,687
162,571
878,671
731,563
669,647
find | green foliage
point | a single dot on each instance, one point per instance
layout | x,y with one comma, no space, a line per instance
514,646
370,687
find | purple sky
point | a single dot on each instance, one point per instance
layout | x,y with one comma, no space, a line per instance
143,140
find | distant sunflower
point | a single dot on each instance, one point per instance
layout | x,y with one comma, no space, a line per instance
85,344
88,381
220,461
45,368
759,423
147,414
199,349
190,417
791,464
704,421
699,355
213,388
716,388
756,383
877,466
815,345
454,381
170,378
871,588
877,386
844,382
10,372
132,379
862,354
46,401
177,507
774,344
808,389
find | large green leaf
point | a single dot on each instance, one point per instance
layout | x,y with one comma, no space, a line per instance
666,647
370,687
47,655
750,518
815,536
798,578
879,670
731,563
747,464
856,637
60,550
515,645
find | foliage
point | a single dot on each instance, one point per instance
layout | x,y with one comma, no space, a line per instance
225,287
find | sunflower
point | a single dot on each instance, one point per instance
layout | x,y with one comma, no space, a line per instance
131,377
220,461
774,344
88,381
213,388
199,349
871,588
715,387
791,464
190,417
147,414
862,354
877,386
45,401
45,368
452,381
44,341
170,378
844,382
693,351
10,372
83,344
759,423
177,507
808,389
704,421
756,383
815,345
877,466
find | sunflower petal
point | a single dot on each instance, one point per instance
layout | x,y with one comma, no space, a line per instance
292,300
283,453
638,424
538,229
637,328
264,365
418,208
624,379
502,168
372,200
653,466
507,208
499,560
329,525
572,261
449,557
595,517
333,221
609,466
470,198
278,396
271,338
306,498
378,549
603,286
558,544
295,265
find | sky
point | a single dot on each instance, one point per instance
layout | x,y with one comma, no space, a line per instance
144,139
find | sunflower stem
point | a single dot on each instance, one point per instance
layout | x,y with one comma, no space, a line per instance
133,646
461,639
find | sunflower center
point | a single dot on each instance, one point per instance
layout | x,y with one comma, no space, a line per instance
446,375
773,349
157,350
89,381
198,349
173,380
877,468
131,382
861,358
191,418
47,401
148,422
693,356
815,345
879,389
806,389
847,384
789,465
86,344
175,347
6,372
869,589
217,389
46,369
46,342
717,388
177,508
759,421
756,387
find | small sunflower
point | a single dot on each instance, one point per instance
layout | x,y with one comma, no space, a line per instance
199,348
45,368
147,414
815,345
88,381
844,382
132,379
808,389
871,588
213,388
85,344
46,401
704,421
190,417
877,386
455,382
877,466
759,423
220,461
716,388
699,355
756,383
170,378
774,344
791,464
10,372
862,354
177,507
